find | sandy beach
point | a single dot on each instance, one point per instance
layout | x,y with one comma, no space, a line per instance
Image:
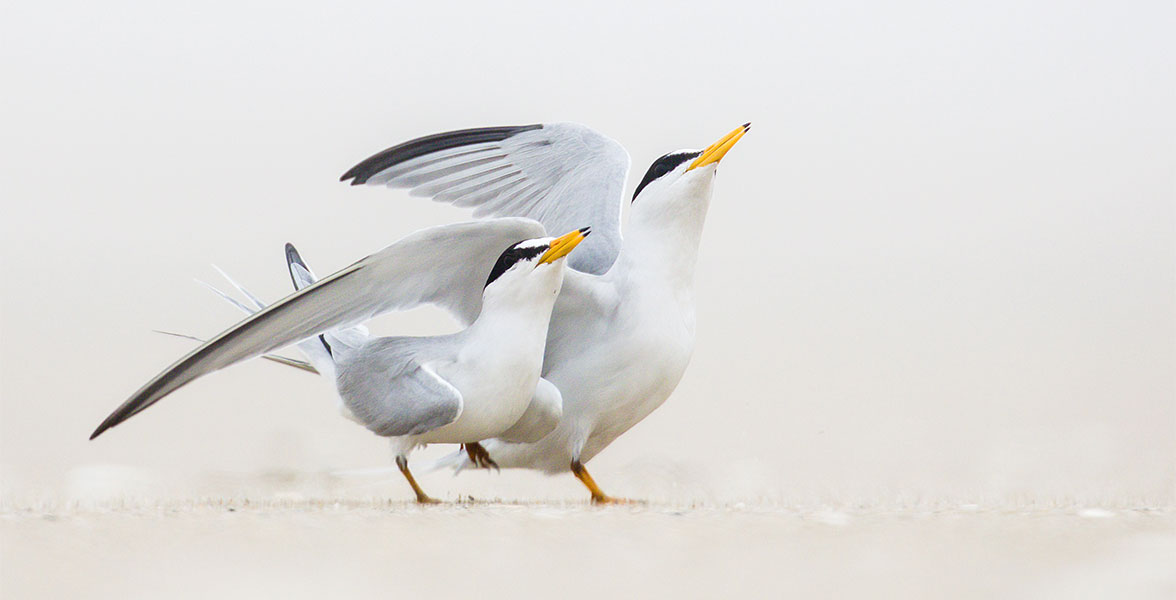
315,548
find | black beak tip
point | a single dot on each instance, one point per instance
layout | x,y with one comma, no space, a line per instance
585,231
747,126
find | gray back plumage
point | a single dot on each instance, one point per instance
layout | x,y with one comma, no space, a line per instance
386,386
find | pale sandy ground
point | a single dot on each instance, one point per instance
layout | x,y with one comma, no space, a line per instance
323,547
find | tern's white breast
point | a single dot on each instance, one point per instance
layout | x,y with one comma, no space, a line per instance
614,376
495,370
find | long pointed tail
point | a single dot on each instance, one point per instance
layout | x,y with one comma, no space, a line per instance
317,350
257,305
301,276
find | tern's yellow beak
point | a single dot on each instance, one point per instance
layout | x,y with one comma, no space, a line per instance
562,245
715,152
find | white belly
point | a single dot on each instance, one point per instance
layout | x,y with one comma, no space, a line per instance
495,393
624,374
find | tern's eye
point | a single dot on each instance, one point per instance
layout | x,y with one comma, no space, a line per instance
512,256
662,166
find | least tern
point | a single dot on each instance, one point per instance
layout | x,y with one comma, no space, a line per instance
475,384
622,331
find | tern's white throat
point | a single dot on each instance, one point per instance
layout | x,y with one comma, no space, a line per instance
522,288
665,227
669,211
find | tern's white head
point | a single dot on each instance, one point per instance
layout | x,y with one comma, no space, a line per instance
678,185
531,269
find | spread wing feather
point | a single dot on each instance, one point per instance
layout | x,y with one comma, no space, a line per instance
446,266
564,175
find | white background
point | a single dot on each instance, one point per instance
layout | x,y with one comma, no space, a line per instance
943,263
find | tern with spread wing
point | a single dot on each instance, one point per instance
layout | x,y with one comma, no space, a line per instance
622,331
479,383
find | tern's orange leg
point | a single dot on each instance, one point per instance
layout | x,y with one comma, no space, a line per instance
422,497
598,495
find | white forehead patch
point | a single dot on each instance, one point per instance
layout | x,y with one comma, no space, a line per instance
534,243
526,250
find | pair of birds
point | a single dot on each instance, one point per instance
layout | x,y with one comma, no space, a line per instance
554,364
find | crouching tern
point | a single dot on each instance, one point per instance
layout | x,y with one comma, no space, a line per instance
622,330
481,382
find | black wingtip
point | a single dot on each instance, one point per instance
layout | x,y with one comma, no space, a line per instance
381,161
353,174
107,424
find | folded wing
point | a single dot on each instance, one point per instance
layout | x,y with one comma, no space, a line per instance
564,175
446,266
388,389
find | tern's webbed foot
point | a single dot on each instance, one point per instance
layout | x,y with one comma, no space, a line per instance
479,456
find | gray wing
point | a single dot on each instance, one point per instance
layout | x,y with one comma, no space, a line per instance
564,175
388,390
281,360
446,266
